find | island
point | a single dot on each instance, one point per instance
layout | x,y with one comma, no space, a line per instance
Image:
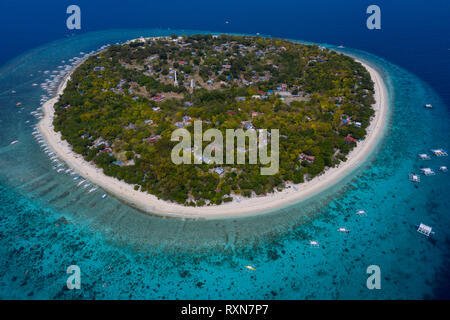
114,115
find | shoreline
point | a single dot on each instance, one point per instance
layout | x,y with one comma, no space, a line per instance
150,204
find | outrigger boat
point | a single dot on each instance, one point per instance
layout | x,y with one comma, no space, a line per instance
424,156
414,177
104,196
250,268
428,171
424,229
361,212
428,106
343,230
314,243
443,169
92,190
439,152
14,142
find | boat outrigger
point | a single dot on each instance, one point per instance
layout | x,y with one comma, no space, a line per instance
414,177
424,229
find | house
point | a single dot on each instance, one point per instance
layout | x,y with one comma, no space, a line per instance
240,98
149,122
219,171
158,98
156,108
357,124
99,68
349,138
152,138
307,158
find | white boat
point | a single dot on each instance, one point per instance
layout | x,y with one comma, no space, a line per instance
428,106
81,182
92,190
424,156
414,177
343,230
104,196
439,152
427,171
425,230
361,212
76,178
443,168
314,243
250,268
14,142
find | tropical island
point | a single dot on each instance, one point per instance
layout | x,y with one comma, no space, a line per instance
118,109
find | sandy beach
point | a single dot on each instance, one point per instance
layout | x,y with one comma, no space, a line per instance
246,206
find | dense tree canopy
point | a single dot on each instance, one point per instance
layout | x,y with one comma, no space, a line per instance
121,106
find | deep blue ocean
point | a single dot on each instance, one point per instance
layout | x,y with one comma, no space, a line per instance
47,223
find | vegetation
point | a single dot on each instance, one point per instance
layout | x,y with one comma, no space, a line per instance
121,106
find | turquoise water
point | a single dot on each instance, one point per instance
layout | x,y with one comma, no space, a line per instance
47,223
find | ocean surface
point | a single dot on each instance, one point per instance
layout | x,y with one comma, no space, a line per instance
47,223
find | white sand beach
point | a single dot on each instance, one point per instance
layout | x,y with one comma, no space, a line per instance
246,206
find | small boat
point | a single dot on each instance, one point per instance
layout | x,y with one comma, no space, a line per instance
428,106
59,170
424,156
341,47
443,168
104,196
81,182
414,177
92,190
76,178
439,152
427,171
361,212
314,243
343,230
250,268
424,229
14,142
18,104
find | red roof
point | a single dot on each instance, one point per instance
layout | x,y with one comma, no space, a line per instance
349,138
